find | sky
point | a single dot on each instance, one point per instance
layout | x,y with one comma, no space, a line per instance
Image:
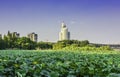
95,20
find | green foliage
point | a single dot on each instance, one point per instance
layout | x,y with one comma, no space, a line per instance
87,48
58,46
44,45
105,48
70,42
10,40
2,44
66,43
26,43
59,64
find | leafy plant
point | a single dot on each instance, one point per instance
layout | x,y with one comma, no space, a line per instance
25,63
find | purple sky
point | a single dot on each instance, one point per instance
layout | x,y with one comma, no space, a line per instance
95,20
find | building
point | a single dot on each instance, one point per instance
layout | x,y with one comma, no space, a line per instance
33,37
64,33
15,34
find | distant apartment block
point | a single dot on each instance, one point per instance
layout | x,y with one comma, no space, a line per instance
15,34
33,37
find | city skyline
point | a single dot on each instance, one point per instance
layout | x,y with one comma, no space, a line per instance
95,20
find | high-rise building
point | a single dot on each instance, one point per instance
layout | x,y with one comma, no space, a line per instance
33,37
15,34
64,33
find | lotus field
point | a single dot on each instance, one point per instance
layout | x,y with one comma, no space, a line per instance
51,63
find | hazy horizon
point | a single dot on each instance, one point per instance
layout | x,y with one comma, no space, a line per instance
95,20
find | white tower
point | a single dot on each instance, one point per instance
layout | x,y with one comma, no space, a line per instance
64,34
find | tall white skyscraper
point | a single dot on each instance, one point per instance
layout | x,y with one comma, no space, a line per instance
64,33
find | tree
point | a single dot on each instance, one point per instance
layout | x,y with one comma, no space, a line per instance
65,43
10,40
44,45
84,43
2,44
58,46
25,43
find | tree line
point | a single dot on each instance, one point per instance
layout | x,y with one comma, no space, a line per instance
11,41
